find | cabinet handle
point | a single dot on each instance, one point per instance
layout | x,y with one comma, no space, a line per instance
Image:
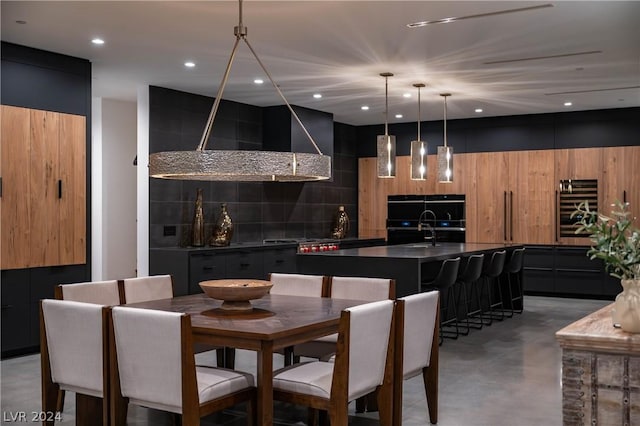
624,196
0,186
6,306
207,268
511,214
59,188
573,270
244,265
504,226
533,268
557,226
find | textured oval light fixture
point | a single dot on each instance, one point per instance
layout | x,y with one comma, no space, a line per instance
445,153
241,166
418,149
386,144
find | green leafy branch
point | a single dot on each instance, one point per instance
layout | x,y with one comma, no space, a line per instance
614,239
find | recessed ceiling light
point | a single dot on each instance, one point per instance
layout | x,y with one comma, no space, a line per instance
258,81
364,108
478,109
406,95
399,115
97,41
568,103
317,95
189,64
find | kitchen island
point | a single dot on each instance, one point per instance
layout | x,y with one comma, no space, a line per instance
408,264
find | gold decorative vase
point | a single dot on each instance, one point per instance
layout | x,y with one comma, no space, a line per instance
223,230
197,227
340,226
626,310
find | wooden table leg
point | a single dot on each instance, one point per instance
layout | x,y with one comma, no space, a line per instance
265,385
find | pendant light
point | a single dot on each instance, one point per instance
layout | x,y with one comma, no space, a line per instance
418,149
230,165
386,144
445,153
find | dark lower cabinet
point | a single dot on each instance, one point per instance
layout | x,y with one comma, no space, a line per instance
245,264
566,271
21,292
205,266
280,260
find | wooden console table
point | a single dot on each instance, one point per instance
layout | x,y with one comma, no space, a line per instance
600,372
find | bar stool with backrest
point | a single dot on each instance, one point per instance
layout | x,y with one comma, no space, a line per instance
514,269
490,276
470,292
74,357
154,366
416,346
444,283
297,285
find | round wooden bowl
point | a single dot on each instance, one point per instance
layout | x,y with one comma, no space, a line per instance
236,293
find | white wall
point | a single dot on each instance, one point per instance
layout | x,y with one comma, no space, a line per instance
114,205
143,181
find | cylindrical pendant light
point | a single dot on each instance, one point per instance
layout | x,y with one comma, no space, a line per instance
386,144
445,153
418,149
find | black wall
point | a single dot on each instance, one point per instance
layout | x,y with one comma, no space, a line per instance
37,79
259,210
582,129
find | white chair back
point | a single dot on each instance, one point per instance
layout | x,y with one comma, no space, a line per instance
149,356
420,314
74,335
98,292
143,289
360,288
297,284
369,331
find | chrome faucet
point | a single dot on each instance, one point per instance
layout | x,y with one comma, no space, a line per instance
427,226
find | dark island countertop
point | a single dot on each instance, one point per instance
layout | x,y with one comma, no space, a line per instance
424,251
408,264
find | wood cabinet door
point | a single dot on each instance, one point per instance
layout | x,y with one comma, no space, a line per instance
15,201
531,197
371,206
492,175
621,178
72,201
45,216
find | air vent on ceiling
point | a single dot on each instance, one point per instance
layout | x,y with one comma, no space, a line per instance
478,15
535,58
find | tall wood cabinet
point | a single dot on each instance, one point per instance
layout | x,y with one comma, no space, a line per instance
514,197
43,201
621,178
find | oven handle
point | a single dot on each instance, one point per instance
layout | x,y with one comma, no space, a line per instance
511,214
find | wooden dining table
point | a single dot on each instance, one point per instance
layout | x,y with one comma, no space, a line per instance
275,322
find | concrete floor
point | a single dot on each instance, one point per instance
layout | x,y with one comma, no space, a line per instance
505,374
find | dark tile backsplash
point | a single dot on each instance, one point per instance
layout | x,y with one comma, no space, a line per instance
259,210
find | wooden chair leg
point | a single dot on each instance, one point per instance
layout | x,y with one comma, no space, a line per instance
431,390
338,416
89,410
312,416
60,401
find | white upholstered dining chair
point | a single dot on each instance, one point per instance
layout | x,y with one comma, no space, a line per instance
154,366
299,284
99,292
417,318
363,364
144,289
74,357
356,288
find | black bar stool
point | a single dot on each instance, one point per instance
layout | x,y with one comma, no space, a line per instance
444,282
490,277
513,269
469,292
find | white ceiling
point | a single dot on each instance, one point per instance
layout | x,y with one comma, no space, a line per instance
339,48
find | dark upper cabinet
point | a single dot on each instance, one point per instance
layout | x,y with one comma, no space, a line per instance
281,131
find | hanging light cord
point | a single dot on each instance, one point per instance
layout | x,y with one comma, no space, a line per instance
418,113
241,33
445,121
386,105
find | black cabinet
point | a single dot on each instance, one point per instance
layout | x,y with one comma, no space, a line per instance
205,266
566,271
245,264
279,260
